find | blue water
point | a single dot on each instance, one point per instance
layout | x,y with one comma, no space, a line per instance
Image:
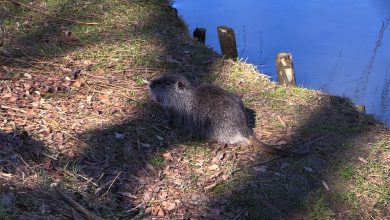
339,46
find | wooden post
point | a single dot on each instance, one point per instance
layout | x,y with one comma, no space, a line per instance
227,41
285,69
361,108
200,34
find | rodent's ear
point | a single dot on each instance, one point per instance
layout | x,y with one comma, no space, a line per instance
181,85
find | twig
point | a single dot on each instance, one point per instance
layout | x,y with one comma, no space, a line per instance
22,61
281,121
141,212
83,211
112,183
88,180
316,140
11,108
135,208
239,214
254,165
55,17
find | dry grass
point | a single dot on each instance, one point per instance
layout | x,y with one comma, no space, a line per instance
75,110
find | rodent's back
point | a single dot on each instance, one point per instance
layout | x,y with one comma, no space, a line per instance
224,112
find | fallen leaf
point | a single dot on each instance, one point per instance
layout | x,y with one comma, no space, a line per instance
145,145
210,186
87,62
308,169
218,158
89,99
156,211
47,164
27,75
362,160
325,185
212,167
76,84
167,156
225,177
163,195
260,168
104,99
168,206
119,136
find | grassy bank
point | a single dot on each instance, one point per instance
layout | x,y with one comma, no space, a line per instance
75,111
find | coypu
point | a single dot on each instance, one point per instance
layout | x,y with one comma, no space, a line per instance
207,111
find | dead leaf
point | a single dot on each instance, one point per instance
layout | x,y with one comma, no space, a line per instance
146,145
363,160
47,164
225,177
27,75
104,99
168,206
325,185
218,158
163,195
210,186
167,156
76,84
155,211
212,167
89,99
119,136
308,169
260,168
87,62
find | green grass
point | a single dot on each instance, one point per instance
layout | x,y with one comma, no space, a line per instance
157,161
347,172
3,214
318,208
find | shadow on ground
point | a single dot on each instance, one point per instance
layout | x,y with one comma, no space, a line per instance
273,190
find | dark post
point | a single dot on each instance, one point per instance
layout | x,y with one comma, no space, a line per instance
200,34
227,41
285,69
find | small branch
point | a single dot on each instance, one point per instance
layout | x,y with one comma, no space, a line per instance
83,211
255,165
22,61
112,183
41,12
239,214
316,140
14,109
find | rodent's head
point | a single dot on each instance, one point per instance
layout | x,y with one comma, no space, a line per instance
170,90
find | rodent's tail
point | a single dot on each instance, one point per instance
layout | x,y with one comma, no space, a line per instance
273,150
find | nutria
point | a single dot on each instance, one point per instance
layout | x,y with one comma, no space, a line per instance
207,111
